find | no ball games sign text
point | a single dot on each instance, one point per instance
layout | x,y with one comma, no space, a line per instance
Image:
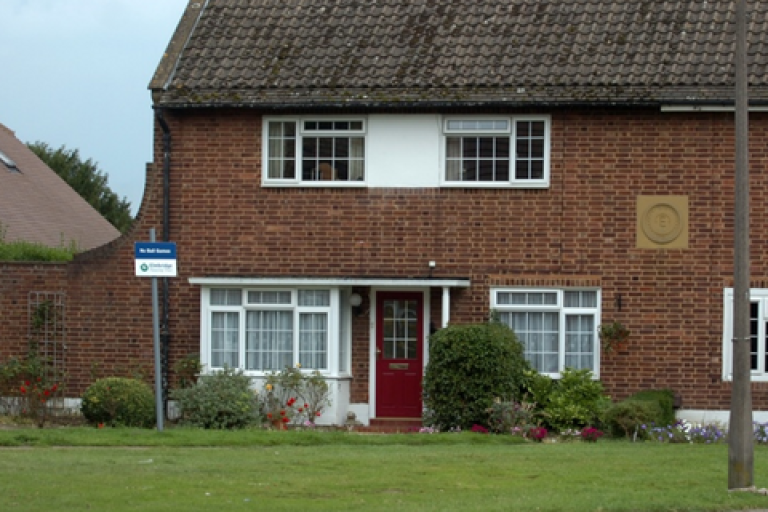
155,259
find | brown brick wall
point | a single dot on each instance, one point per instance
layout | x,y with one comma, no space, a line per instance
579,230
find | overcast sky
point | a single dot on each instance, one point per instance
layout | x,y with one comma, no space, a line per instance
75,73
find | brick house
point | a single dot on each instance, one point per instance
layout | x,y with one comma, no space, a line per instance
341,178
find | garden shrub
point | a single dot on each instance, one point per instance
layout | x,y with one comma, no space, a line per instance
574,401
647,407
626,418
665,398
220,400
119,401
469,367
294,396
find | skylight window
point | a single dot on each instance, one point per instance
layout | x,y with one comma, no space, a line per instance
8,163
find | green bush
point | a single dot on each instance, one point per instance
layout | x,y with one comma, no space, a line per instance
220,400
469,367
574,401
626,417
665,398
119,401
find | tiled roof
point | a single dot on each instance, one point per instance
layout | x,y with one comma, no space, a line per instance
421,52
36,205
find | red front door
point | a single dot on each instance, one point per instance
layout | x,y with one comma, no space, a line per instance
399,354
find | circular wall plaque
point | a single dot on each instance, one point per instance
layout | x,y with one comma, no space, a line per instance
661,223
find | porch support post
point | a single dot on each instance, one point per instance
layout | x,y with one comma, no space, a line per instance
446,306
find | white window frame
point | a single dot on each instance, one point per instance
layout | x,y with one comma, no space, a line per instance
759,296
301,132
338,342
512,121
563,311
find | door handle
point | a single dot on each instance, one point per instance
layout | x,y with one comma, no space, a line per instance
378,352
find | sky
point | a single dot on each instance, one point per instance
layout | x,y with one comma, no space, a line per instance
74,73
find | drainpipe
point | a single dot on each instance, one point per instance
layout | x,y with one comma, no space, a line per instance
165,332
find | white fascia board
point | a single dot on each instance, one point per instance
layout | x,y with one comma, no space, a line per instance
328,281
707,108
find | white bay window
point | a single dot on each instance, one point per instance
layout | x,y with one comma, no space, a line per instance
264,330
557,328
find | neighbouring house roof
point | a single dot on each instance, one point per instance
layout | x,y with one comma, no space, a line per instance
411,53
36,205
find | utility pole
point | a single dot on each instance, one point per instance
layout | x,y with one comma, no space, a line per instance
740,448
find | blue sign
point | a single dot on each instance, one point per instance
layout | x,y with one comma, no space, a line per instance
155,259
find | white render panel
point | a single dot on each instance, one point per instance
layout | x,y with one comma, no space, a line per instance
403,151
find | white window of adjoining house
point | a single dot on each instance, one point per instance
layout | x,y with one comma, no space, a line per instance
497,151
758,334
313,151
557,328
267,330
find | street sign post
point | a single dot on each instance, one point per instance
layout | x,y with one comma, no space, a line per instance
156,259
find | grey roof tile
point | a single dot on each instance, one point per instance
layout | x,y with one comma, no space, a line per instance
353,52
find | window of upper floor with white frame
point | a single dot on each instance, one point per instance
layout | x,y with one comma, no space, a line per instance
557,327
315,151
497,152
758,334
407,150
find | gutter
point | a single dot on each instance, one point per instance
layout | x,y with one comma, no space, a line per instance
165,331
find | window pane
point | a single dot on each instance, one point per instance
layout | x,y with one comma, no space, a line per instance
269,340
470,147
579,341
224,339
502,170
225,297
453,147
537,170
313,340
269,297
486,147
502,147
314,298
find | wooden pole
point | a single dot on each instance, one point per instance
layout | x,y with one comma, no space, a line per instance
740,448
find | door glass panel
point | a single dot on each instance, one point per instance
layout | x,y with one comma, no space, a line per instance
400,326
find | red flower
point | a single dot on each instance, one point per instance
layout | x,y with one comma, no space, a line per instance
55,387
101,425
282,413
306,406
317,413
23,389
269,415
39,379
286,420
27,383
47,393
301,409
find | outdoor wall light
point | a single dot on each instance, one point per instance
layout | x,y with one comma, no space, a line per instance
356,300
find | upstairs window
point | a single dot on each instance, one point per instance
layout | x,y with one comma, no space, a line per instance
312,151
510,151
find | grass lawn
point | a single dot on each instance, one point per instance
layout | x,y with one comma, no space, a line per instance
188,470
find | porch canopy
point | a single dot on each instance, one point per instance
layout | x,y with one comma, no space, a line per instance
378,282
